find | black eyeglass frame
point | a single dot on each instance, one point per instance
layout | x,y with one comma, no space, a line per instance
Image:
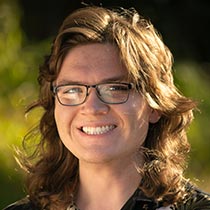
54,89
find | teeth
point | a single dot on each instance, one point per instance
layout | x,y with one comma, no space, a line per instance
98,130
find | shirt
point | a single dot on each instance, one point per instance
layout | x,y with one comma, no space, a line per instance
197,200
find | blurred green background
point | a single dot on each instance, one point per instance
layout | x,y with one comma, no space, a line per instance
28,27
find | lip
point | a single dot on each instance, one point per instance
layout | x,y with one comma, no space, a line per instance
97,129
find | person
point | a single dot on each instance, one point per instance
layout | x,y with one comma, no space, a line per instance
113,130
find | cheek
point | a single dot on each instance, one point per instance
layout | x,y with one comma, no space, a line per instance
139,115
138,110
62,118
65,119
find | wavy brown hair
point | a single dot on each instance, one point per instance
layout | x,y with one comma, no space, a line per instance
53,173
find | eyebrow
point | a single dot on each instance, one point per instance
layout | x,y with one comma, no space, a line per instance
111,79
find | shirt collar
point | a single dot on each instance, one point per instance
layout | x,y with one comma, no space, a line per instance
139,201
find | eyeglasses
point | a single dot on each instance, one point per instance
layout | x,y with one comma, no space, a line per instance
76,94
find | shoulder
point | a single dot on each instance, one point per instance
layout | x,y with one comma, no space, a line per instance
23,204
196,199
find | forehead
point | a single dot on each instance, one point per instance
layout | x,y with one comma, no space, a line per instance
92,62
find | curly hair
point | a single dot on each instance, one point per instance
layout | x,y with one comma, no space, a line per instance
53,173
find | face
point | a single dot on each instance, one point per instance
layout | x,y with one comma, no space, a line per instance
94,131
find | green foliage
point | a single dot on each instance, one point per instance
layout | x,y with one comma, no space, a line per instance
194,82
18,72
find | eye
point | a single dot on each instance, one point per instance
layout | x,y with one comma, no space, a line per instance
73,90
117,87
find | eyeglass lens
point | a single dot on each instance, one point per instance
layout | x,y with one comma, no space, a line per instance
111,93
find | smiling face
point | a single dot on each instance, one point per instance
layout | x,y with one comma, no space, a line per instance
95,131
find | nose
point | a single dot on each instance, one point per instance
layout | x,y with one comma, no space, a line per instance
93,105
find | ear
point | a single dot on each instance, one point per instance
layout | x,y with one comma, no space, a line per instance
155,115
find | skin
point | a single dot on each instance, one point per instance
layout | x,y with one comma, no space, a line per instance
105,160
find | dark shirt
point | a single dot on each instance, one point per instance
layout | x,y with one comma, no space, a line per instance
197,200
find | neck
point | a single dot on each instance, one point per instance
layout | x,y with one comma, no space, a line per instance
106,187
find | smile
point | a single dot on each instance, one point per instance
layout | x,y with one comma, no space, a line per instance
98,130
